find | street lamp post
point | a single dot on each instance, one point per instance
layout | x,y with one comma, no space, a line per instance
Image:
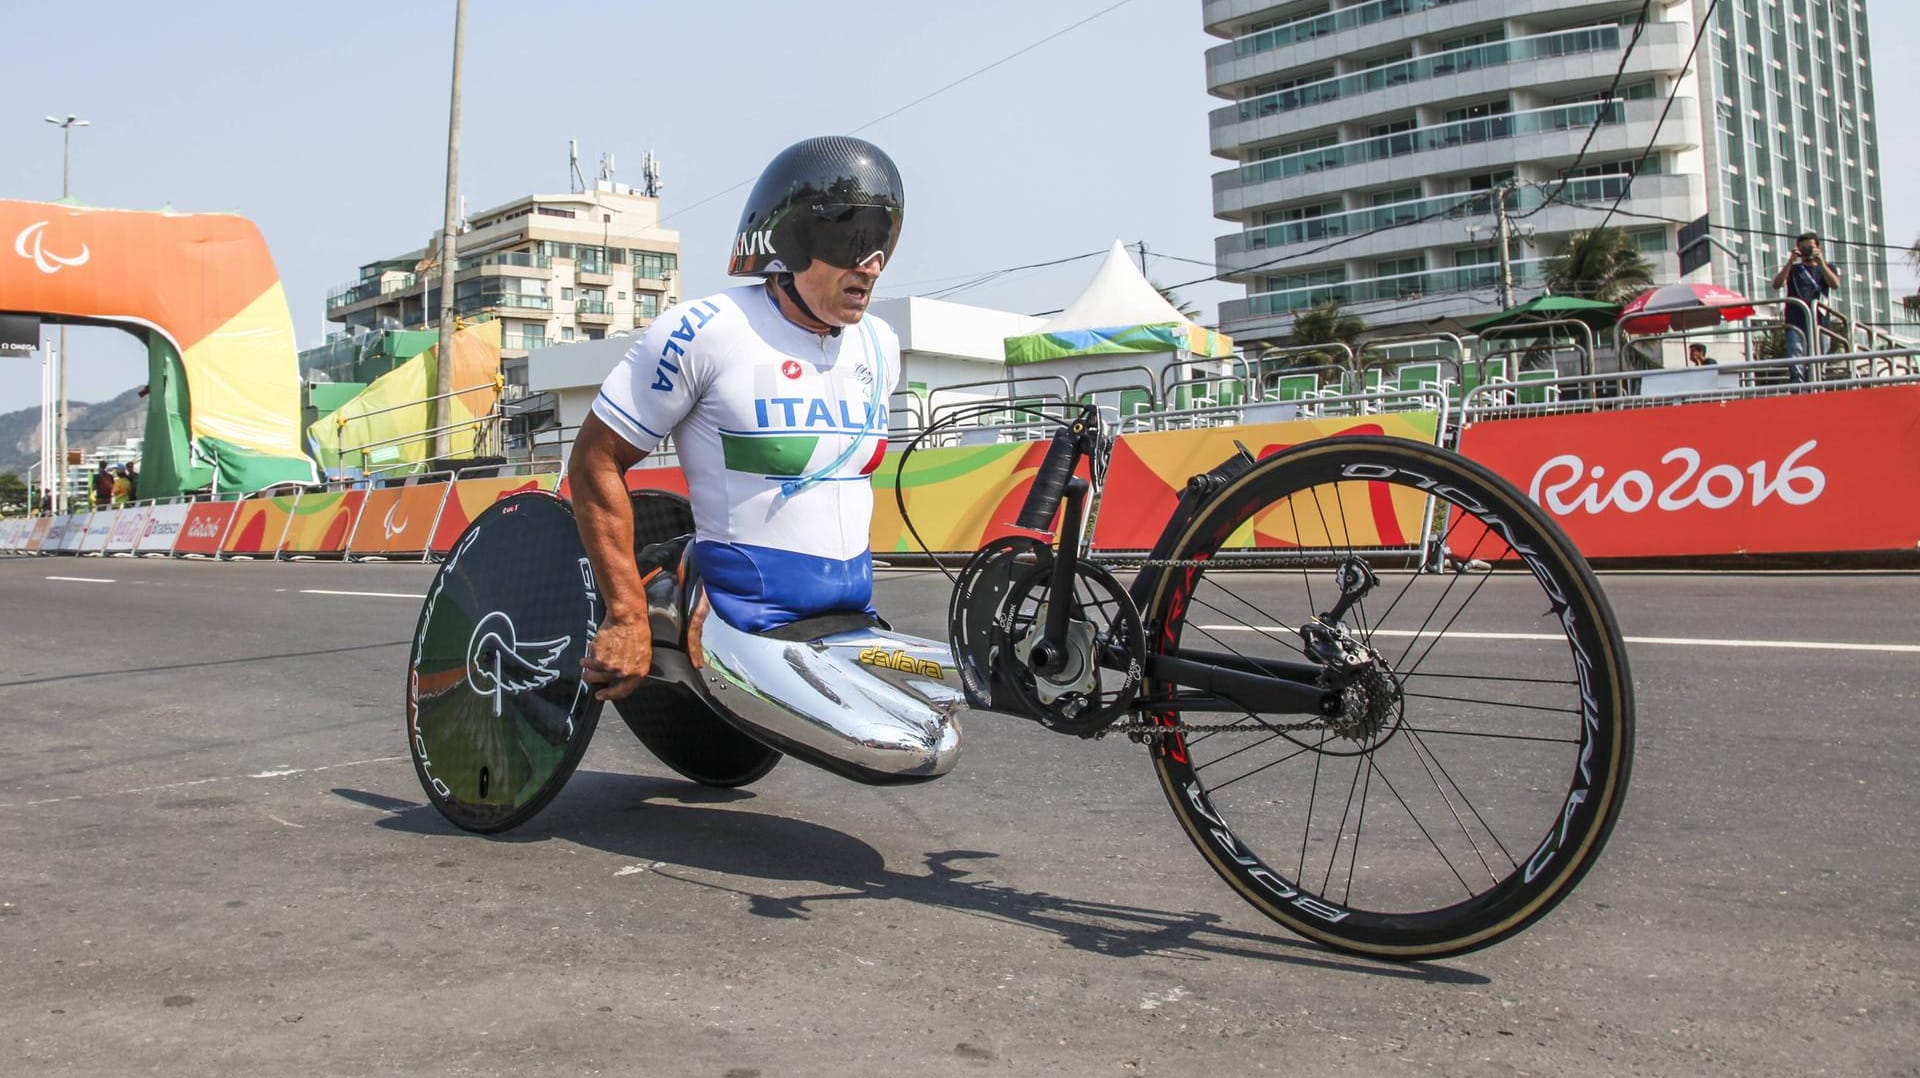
66,127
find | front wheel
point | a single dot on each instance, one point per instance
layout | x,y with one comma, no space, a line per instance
1486,737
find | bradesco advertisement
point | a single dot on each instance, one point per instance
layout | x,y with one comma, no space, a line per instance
1821,472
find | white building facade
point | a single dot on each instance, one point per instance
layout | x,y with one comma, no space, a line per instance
1372,142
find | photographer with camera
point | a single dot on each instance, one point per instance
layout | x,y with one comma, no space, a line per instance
1807,277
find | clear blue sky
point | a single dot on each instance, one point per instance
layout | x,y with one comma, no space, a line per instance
326,124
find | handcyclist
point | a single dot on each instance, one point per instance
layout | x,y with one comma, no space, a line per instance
775,394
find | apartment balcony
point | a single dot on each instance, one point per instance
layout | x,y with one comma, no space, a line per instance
348,296
522,342
509,303
507,264
1321,39
1436,223
1538,136
592,271
1568,58
1421,296
593,310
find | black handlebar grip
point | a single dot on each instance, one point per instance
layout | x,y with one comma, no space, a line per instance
1050,482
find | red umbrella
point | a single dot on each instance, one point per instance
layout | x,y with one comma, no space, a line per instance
1683,306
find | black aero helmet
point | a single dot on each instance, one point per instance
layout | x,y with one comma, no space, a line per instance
834,199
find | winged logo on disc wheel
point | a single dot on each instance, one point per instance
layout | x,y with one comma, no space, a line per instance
498,662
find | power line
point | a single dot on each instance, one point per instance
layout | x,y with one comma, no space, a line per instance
1673,92
1736,230
923,98
1599,114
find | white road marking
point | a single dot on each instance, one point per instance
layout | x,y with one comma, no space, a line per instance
82,579
1673,641
368,594
198,782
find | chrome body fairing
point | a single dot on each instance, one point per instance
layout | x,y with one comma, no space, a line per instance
875,706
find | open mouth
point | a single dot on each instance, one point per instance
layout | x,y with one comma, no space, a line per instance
855,295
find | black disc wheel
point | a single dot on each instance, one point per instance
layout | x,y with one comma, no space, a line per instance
688,736
497,716
1484,736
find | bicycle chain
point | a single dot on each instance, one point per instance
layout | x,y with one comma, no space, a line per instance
1140,730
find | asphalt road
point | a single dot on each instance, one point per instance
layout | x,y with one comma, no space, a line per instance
218,861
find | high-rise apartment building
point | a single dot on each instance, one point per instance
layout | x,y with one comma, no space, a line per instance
552,268
1794,145
1374,143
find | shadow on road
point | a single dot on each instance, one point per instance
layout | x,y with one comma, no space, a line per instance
681,830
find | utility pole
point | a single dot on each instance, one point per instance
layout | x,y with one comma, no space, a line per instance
66,127
1504,229
442,410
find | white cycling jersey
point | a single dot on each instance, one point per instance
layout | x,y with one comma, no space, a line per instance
777,429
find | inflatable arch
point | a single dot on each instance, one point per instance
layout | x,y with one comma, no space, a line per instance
200,288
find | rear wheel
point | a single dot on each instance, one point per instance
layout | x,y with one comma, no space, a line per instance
1484,749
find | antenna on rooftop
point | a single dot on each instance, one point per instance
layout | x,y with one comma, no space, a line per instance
650,184
576,183
606,167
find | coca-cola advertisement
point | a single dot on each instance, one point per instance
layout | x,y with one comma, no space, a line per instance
1810,473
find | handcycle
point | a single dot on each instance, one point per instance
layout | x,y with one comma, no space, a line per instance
1381,691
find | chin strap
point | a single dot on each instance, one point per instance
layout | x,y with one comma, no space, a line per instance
793,293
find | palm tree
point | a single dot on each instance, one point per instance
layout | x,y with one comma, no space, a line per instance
1187,310
1602,264
1325,324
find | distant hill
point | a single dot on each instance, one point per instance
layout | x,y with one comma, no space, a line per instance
104,423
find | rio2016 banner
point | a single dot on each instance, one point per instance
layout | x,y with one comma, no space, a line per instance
1813,473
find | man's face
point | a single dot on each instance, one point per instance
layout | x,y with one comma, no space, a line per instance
839,296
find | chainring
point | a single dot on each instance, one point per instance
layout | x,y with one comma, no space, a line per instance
1091,689
979,594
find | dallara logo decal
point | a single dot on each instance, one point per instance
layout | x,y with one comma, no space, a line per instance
900,660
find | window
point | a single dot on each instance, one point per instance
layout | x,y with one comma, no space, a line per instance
646,305
654,265
566,294
566,333
1394,267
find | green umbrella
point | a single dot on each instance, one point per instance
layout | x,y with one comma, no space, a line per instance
1545,308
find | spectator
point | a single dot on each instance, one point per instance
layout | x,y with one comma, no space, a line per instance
1807,278
46,503
102,489
122,487
133,481
1697,356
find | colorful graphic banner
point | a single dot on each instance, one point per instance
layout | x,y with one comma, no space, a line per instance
163,528
205,526
1149,470
958,497
470,497
397,520
1816,473
396,409
322,522
257,526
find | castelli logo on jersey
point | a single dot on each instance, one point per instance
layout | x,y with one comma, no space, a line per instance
790,368
204,528
28,244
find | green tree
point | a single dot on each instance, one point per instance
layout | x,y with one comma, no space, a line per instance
1325,324
1187,310
13,494
1602,264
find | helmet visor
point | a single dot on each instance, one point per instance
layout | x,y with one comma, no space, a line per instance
847,235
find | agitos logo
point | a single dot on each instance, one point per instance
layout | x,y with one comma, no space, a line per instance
900,660
28,245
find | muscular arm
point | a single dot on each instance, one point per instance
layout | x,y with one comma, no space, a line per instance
622,651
